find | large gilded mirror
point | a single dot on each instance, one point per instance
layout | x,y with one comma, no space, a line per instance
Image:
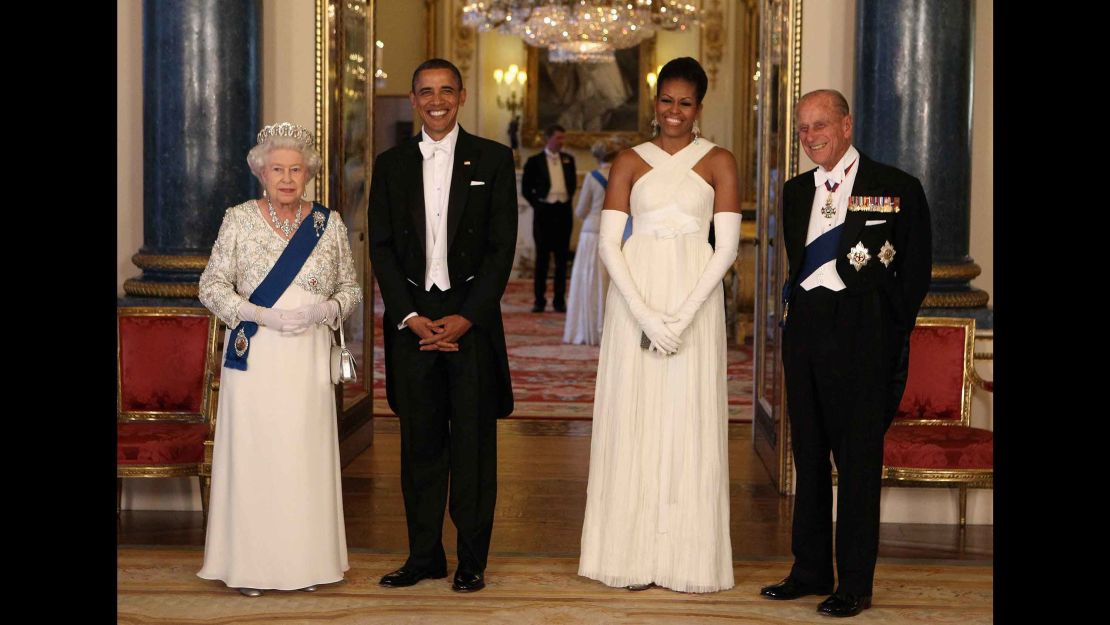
344,117
779,78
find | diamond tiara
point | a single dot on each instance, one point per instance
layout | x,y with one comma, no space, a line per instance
286,129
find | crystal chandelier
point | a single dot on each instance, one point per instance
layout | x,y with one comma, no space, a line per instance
582,31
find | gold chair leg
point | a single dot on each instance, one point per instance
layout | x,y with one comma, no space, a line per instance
963,507
119,495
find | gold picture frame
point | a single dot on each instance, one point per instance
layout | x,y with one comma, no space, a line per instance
779,88
345,55
539,95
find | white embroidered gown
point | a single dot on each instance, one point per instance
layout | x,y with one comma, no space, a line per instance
588,279
275,516
657,503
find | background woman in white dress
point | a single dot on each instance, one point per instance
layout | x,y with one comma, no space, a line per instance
588,280
276,511
657,505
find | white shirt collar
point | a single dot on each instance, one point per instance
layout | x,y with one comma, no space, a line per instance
448,141
837,173
551,154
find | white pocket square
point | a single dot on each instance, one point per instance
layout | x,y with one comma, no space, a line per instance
411,282
874,222
476,183
469,279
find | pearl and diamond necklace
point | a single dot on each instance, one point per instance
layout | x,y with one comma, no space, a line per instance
285,226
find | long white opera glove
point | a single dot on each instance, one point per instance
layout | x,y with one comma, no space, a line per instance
326,312
653,322
279,319
726,229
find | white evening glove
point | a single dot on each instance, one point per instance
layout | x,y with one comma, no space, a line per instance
652,322
726,230
326,312
279,319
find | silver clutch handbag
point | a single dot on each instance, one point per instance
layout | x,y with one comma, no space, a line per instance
342,361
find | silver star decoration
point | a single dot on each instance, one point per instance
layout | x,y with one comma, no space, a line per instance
886,254
858,256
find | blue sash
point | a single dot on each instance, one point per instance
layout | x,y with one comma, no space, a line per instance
819,251
597,175
605,185
280,277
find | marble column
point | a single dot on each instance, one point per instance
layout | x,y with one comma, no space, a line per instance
912,109
201,111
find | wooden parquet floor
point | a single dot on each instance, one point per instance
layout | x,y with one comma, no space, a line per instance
926,573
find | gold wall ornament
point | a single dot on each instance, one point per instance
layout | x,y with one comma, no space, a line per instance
431,28
464,42
140,288
169,262
713,38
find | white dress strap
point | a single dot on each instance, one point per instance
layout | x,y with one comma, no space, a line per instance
651,154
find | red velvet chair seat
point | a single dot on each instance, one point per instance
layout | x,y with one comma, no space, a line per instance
160,442
946,447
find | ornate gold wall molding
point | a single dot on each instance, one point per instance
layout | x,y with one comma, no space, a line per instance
713,38
464,41
431,28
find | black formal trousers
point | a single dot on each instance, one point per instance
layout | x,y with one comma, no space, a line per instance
837,368
446,429
551,228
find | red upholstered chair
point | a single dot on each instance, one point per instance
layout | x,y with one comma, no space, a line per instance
165,362
931,443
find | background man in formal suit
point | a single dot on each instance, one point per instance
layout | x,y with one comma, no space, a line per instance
548,184
443,223
858,242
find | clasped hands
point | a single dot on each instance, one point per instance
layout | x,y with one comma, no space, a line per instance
294,321
442,334
665,331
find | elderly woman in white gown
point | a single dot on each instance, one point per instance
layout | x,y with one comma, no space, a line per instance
588,280
281,277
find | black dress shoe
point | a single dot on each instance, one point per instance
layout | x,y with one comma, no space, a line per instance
560,308
538,308
407,577
791,588
468,582
844,604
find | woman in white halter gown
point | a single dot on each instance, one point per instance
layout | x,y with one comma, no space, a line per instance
657,509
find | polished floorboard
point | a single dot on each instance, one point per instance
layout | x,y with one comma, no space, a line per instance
926,573
542,471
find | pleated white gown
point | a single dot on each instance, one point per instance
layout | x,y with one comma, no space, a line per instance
275,518
657,503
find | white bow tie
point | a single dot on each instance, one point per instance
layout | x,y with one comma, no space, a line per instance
821,176
428,149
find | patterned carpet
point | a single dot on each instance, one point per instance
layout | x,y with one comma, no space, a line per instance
552,380
159,585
